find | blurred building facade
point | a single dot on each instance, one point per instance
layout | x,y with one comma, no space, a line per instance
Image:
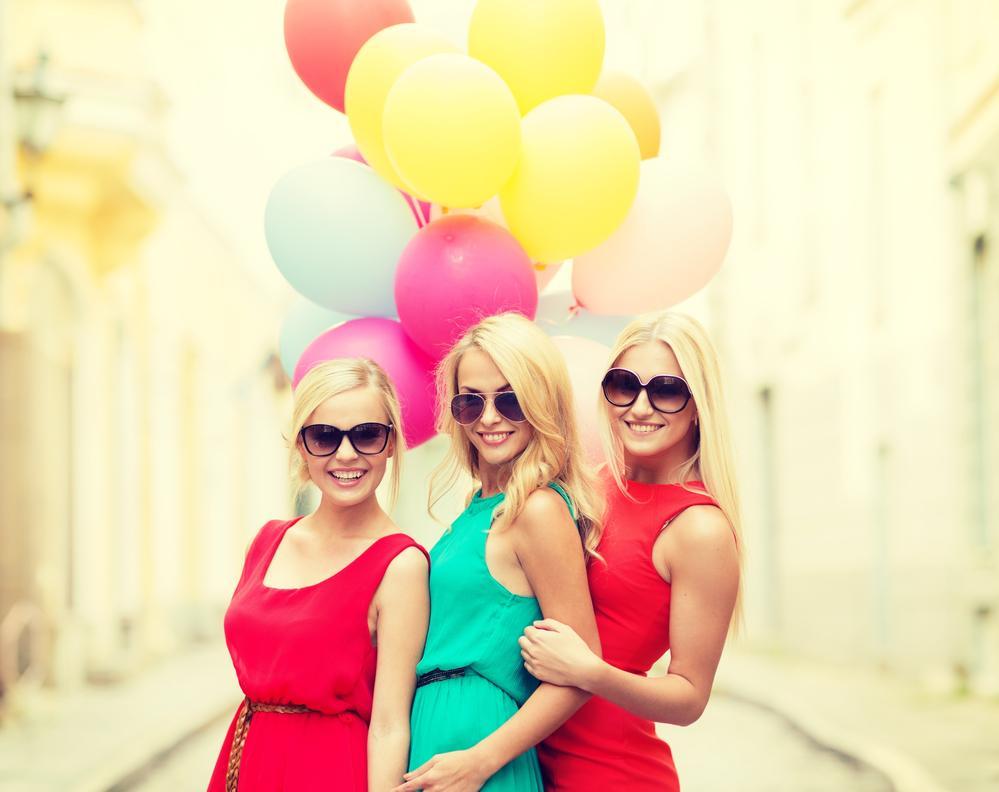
139,407
858,313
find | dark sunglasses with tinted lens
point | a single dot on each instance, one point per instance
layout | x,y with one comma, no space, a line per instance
467,408
323,440
666,393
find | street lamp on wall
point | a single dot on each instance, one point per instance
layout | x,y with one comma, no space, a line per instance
37,107
37,111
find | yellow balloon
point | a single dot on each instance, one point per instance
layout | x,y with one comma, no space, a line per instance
452,130
376,67
635,103
576,179
542,48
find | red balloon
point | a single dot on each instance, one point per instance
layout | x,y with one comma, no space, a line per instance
456,271
323,36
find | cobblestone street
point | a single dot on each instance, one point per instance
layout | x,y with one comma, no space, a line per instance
735,747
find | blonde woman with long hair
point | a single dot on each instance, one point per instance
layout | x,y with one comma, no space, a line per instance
515,555
330,613
670,574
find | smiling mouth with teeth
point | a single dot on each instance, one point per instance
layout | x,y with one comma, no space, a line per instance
497,437
644,428
353,475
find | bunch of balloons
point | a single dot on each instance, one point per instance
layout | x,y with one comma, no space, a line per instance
472,178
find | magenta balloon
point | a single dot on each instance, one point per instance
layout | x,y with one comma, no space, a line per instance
456,271
385,342
420,209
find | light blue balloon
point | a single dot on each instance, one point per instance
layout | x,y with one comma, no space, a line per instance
335,231
304,321
557,317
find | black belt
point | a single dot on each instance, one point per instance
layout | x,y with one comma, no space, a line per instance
439,675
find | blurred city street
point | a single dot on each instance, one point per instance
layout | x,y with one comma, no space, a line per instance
762,754
772,726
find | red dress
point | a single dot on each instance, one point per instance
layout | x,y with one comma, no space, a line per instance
604,747
308,647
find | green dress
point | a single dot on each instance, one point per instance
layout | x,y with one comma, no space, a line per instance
475,622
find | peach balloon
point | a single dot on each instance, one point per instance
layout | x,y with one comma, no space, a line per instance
671,244
587,362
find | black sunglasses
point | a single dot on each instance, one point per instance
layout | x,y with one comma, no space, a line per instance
666,393
323,440
467,408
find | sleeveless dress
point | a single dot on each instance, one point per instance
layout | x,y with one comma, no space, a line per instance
306,647
603,746
475,623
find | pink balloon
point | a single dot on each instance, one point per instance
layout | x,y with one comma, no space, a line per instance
351,151
420,209
323,36
456,271
587,363
493,212
385,342
671,244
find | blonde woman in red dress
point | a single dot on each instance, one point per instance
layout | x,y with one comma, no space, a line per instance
329,617
670,575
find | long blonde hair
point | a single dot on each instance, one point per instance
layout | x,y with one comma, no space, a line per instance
534,368
332,378
712,461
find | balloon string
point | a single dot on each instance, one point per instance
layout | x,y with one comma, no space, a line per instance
414,207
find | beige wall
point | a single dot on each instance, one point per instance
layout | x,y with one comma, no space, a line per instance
845,132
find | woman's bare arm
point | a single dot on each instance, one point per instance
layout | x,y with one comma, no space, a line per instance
403,604
702,563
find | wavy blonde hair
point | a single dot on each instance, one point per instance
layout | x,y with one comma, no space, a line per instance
534,368
713,460
332,378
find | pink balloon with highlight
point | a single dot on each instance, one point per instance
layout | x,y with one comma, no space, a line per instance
420,209
493,212
456,271
386,343
587,363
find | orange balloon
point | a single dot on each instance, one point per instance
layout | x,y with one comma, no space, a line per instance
630,97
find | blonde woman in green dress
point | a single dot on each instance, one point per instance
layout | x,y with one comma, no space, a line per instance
516,554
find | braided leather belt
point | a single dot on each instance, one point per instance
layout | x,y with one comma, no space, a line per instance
439,675
242,729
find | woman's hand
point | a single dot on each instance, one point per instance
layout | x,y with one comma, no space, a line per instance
457,771
554,653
